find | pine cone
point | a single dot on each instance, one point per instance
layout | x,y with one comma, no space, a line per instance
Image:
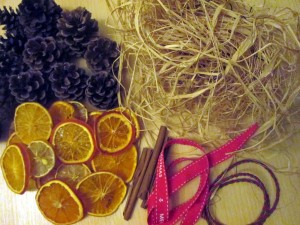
76,28
15,37
41,53
13,43
10,63
68,81
39,17
4,91
9,17
101,54
29,86
102,89
7,109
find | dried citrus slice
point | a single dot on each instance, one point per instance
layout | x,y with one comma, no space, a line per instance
93,116
114,132
42,158
122,164
73,142
32,185
101,193
58,203
43,180
81,112
32,122
132,118
61,111
15,165
72,174
13,139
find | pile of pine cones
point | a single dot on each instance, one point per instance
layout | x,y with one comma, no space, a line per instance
38,52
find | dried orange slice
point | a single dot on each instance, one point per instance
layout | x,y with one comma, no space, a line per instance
61,111
93,116
32,122
132,118
101,193
73,142
122,164
13,139
15,165
58,203
81,112
72,174
32,185
43,180
114,132
42,158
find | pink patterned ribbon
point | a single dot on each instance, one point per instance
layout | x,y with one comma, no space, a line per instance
189,212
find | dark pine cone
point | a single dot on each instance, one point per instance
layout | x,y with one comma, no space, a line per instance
10,63
15,37
7,109
101,54
39,17
13,43
29,86
68,82
76,28
4,91
102,89
10,18
41,53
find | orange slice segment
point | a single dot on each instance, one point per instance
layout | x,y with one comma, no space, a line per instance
122,164
73,142
15,165
61,111
72,174
58,203
114,132
101,193
80,112
32,122
42,158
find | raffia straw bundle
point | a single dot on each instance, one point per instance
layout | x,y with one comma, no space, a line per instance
208,69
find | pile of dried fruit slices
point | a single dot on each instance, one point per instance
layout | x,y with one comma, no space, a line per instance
79,161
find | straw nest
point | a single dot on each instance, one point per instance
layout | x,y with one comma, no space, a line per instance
209,69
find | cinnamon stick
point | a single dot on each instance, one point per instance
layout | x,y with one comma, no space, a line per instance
143,194
144,202
140,166
132,198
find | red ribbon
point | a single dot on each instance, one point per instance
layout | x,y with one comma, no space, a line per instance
190,211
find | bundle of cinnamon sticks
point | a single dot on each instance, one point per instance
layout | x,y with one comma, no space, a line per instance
144,175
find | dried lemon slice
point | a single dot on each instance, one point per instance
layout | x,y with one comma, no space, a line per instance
32,122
